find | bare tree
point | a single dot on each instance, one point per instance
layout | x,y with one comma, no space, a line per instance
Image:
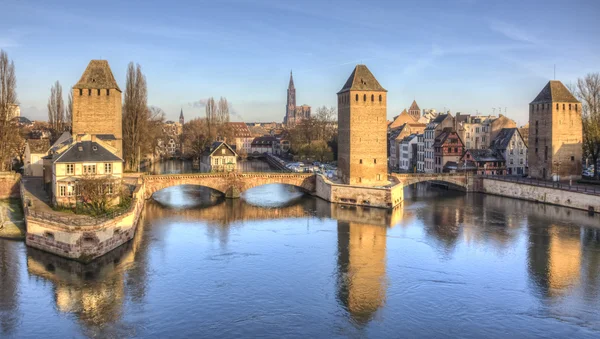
587,91
8,98
56,109
195,137
96,193
69,111
135,115
211,118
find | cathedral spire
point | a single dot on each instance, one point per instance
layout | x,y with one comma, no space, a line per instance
291,85
181,119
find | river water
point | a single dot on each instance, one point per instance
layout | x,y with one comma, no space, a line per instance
279,264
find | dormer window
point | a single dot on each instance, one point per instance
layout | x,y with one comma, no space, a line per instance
94,148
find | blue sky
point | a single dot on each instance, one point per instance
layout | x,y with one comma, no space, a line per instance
462,55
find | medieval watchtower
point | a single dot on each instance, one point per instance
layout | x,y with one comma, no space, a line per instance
362,144
97,105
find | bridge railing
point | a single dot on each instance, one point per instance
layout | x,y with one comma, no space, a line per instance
573,187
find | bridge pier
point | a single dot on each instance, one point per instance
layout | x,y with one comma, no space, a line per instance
232,193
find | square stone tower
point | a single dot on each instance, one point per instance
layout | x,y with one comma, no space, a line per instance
97,105
555,134
362,130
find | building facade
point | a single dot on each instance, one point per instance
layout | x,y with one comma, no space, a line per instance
362,129
97,104
448,148
408,153
243,138
294,114
420,153
510,144
484,161
555,134
264,145
219,157
431,132
35,150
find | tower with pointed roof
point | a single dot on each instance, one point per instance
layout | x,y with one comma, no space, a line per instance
555,134
362,129
181,119
414,110
97,105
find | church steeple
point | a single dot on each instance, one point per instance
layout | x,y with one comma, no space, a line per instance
291,85
181,119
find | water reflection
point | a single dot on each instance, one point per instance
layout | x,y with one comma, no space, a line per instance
175,166
304,267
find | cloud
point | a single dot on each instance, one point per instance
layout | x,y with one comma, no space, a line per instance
512,32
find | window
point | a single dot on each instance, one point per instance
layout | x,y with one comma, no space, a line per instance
536,150
70,189
364,97
569,107
222,151
109,188
379,97
563,107
521,161
372,97
572,158
80,91
107,91
361,161
546,153
62,190
511,161
70,168
108,168
357,97
374,161
89,92
216,161
556,106
89,169
98,91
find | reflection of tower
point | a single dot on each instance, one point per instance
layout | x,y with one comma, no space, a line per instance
554,256
361,269
9,284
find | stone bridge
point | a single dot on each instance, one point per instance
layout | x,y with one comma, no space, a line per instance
457,179
231,184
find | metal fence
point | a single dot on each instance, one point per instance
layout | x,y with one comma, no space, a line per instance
573,187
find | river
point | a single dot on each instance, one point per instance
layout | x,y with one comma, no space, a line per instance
277,263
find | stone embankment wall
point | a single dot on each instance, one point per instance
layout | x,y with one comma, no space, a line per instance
381,197
82,239
9,185
548,195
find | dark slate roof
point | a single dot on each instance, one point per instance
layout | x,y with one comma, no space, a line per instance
503,138
216,145
23,120
440,118
554,91
414,106
38,146
87,151
462,117
485,155
97,75
106,136
362,79
264,141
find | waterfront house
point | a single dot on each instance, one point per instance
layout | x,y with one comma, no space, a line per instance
486,161
510,144
35,150
242,136
219,157
263,145
448,147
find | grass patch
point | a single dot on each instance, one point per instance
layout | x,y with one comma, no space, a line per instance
12,225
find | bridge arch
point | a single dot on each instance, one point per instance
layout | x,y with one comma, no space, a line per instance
457,179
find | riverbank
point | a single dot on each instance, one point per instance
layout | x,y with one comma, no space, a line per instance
12,224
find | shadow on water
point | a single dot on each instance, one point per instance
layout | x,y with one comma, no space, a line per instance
443,260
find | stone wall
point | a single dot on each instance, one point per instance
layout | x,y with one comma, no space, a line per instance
548,195
74,240
359,195
9,185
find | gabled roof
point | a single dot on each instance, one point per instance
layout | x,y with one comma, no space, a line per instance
97,75
554,91
240,130
85,151
64,139
217,145
361,79
503,138
414,106
485,155
445,135
38,146
401,119
440,118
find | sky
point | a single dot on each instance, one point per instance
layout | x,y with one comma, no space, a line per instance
468,56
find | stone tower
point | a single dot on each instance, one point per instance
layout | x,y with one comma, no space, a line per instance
97,105
181,119
290,108
362,144
414,110
555,134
